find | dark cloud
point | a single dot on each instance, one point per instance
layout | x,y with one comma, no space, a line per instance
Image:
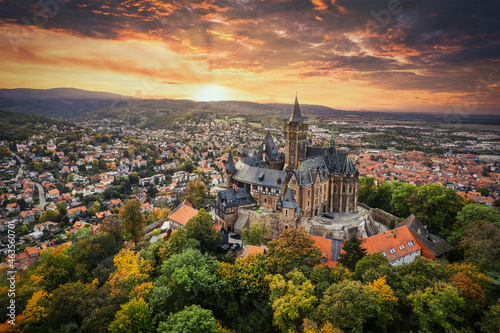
419,45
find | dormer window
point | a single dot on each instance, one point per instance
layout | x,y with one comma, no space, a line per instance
411,243
392,250
383,253
401,247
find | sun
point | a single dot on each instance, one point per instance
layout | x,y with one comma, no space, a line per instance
212,92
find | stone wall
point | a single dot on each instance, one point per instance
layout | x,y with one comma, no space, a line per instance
383,217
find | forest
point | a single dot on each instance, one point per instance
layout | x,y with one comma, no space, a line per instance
184,283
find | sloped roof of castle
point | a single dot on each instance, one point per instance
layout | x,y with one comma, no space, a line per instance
296,114
288,201
230,162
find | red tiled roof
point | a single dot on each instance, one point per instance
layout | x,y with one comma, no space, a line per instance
392,239
325,246
254,249
183,213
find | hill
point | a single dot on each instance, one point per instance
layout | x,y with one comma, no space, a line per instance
21,126
78,105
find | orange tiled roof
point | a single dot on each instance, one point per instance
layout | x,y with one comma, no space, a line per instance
392,239
325,246
254,249
183,213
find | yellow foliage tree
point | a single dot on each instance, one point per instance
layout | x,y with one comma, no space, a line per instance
37,308
128,273
387,302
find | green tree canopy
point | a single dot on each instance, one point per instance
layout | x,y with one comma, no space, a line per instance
353,252
399,199
348,305
436,206
193,319
292,300
133,317
256,234
481,245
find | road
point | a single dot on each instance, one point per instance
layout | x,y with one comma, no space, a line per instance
20,172
41,195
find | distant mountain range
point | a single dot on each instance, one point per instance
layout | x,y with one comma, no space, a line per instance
77,105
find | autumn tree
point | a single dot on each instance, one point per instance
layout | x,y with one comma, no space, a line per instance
112,225
133,220
292,299
195,194
353,252
387,301
193,319
133,317
293,249
348,305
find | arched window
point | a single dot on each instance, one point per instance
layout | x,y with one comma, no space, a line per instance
343,188
309,193
265,199
350,189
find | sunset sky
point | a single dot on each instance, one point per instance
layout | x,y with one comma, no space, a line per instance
417,55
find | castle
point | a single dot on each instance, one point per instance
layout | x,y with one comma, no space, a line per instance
302,182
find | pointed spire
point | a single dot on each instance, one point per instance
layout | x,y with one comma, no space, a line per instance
296,115
332,139
230,163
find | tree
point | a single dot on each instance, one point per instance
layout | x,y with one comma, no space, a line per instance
62,207
367,190
294,248
195,194
113,226
96,207
133,221
256,234
353,252
369,261
191,277
193,319
292,299
491,320
399,199
134,317
438,307
481,245
387,302
348,305
436,206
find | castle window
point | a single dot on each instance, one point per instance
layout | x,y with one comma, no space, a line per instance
350,189
325,187
265,199
308,203
309,193
343,188
293,181
286,212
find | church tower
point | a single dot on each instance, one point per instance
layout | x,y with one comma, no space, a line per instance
230,169
295,138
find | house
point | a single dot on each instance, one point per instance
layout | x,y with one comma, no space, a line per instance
52,194
330,250
47,226
102,215
33,252
432,246
13,207
27,216
115,203
254,249
399,245
227,205
181,215
73,212
224,233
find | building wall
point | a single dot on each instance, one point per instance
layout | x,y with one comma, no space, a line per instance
406,259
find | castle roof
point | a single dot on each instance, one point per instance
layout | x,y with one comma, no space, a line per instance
288,201
269,147
296,114
230,162
259,176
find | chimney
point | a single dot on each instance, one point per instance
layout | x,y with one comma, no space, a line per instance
395,232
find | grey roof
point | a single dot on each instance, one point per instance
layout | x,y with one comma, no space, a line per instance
288,200
434,243
230,162
269,147
232,197
296,115
259,176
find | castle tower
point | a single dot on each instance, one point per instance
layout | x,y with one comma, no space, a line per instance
295,138
230,169
332,139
